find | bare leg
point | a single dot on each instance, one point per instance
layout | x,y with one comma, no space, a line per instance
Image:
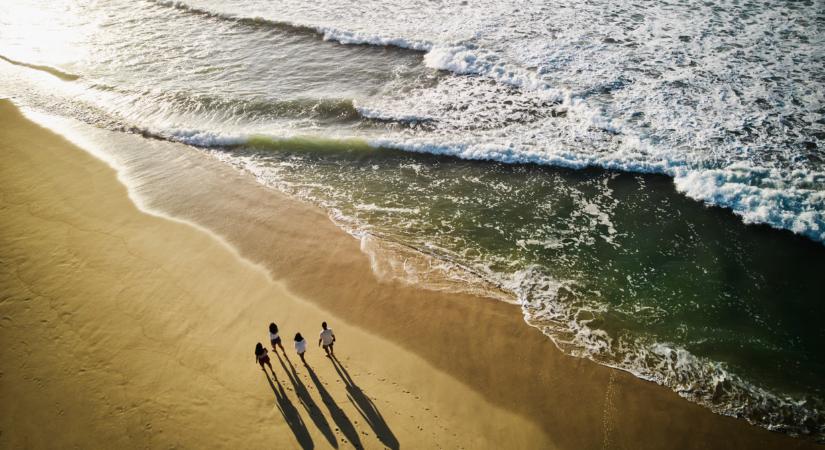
282,348
302,358
326,349
331,351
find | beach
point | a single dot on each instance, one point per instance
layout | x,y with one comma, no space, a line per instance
132,304
512,192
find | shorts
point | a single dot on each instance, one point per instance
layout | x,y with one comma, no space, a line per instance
277,340
327,345
264,360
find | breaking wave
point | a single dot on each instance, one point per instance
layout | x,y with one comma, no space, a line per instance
66,76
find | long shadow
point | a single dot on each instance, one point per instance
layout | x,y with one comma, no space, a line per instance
308,403
366,407
290,413
338,416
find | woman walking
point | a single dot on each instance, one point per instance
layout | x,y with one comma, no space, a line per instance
300,346
262,357
274,337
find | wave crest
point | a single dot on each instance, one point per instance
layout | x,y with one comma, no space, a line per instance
65,76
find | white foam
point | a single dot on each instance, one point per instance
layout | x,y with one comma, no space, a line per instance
698,379
383,114
780,204
464,60
354,37
389,209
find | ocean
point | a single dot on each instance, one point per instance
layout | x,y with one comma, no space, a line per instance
646,180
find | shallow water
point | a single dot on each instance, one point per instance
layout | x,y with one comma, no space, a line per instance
543,148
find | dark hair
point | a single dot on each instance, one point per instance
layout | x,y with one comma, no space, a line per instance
324,325
298,337
273,328
259,349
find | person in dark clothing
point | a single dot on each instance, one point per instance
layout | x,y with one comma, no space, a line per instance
262,356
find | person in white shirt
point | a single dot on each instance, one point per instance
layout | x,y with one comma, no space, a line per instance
274,337
300,346
327,339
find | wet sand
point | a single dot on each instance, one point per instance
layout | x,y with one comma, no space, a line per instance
126,328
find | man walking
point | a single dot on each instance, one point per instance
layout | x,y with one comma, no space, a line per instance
327,339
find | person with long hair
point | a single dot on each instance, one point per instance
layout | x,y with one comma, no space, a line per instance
274,337
262,356
300,346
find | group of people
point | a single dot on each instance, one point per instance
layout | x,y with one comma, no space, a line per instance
325,340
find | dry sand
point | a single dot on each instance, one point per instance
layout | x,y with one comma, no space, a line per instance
120,327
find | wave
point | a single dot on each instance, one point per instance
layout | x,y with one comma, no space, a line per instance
467,59
65,76
459,58
217,109
207,139
308,144
327,109
327,33
785,200
250,21
381,115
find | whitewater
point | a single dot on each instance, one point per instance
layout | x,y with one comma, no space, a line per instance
726,98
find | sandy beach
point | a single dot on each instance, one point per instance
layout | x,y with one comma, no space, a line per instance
134,293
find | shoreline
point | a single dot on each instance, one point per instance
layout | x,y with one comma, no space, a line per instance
516,371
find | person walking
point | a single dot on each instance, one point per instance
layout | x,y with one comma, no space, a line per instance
327,339
274,337
300,346
262,357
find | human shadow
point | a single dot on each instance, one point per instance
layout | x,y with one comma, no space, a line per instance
366,407
338,416
308,403
290,413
